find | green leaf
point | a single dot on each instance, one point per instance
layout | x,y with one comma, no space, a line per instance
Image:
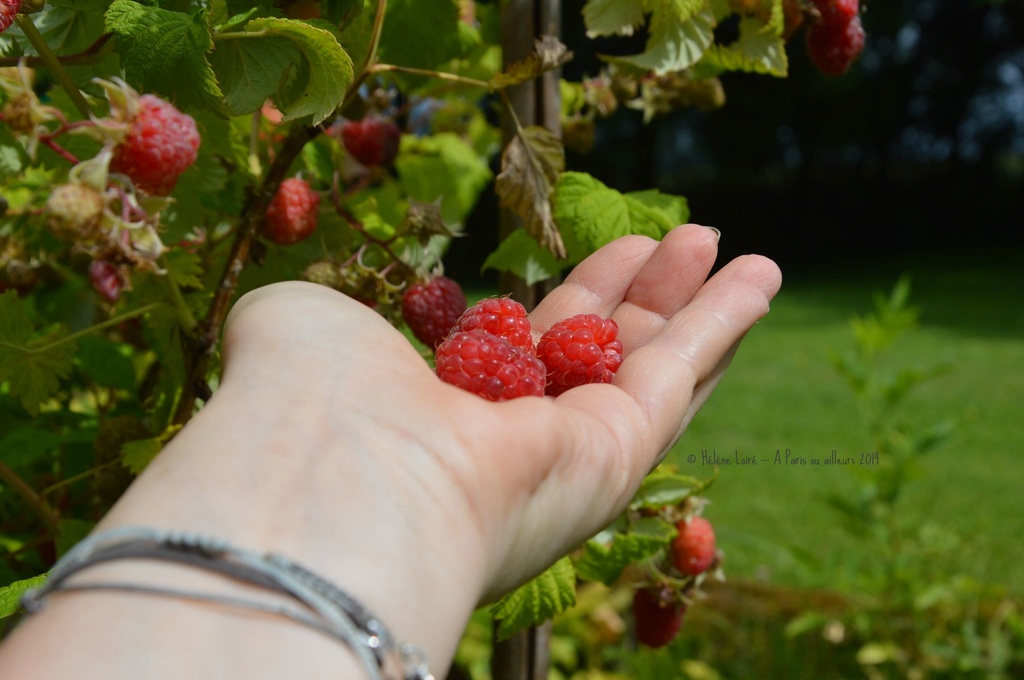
137,454
165,52
317,87
678,38
420,33
12,155
603,561
341,12
521,255
661,488
530,167
10,596
446,166
106,362
544,597
676,207
251,69
184,268
590,214
31,364
757,50
612,17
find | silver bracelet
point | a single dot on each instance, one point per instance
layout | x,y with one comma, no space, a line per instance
328,609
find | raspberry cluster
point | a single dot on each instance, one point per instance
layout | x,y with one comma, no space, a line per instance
837,38
489,351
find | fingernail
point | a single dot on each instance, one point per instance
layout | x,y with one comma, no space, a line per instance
718,234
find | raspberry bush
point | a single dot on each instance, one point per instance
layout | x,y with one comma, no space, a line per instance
159,159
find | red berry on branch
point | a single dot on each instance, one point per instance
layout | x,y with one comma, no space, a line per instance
500,316
833,47
161,143
837,11
431,309
489,366
8,8
657,616
373,141
106,279
291,215
580,350
693,548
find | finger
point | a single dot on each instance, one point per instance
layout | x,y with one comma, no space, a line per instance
663,375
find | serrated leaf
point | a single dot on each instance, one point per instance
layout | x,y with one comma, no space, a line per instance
521,255
419,33
183,267
138,453
612,17
341,12
541,599
530,167
10,596
590,214
32,365
549,53
604,561
676,207
661,488
319,85
165,52
677,41
251,70
12,155
757,50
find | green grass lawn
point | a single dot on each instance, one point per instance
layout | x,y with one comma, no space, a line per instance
782,393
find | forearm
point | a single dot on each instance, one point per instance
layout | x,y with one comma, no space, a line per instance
263,485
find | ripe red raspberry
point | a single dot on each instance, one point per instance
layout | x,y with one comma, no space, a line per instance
489,366
106,279
693,549
8,8
580,350
291,215
833,47
837,11
657,615
431,309
501,316
162,142
373,141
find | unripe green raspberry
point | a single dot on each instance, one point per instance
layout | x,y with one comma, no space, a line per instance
74,210
325,273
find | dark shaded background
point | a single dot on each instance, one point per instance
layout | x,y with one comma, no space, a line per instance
917,150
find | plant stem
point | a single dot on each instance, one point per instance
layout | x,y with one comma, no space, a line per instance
90,55
441,75
39,506
53,64
185,317
113,321
371,52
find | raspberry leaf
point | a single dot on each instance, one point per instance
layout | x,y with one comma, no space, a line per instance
32,364
523,256
325,69
137,454
164,52
549,53
530,168
604,557
251,69
341,12
680,31
759,49
612,17
536,601
10,596
662,488
590,214
184,268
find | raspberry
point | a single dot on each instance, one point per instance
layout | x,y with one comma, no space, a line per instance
834,46
106,279
373,141
8,8
658,617
291,215
693,549
501,316
161,143
580,350
837,12
74,210
431,309
489,366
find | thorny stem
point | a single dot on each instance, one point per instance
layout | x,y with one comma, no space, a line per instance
200,350
371,52
90,55
113,321
39,506
53,64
